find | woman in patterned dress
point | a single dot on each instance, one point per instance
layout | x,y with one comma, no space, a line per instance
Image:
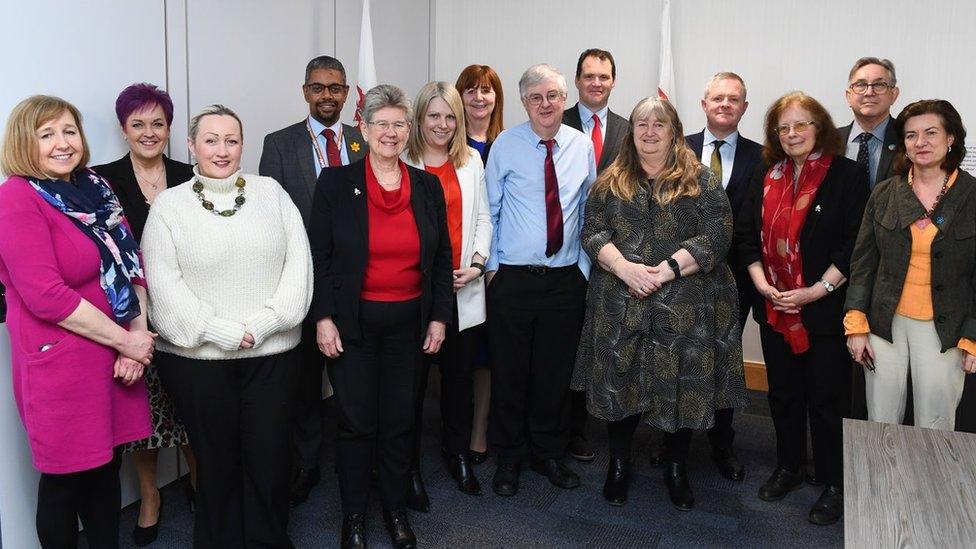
661,338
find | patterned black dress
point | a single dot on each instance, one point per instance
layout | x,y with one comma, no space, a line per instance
676,356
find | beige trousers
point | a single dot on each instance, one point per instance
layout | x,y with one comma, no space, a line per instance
937,378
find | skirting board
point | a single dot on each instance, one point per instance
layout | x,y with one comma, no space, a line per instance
756,376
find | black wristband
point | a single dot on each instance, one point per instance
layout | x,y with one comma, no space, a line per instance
673,263
480,267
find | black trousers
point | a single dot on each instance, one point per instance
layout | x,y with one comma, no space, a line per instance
815,383
94,496
307,409
238,417
376,382
620,436
534,324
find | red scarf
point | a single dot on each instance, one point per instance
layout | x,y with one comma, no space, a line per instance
391,202
783,213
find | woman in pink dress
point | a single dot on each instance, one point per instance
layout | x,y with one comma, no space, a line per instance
77,320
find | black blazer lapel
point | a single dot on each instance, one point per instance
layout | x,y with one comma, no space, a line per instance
571,117
356,192
418,201
354,143
696,142
887,151
611,141
301,145
845,133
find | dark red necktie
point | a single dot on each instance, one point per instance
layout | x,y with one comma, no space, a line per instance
331,148
554,210
597,137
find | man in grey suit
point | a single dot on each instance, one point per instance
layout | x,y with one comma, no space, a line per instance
294,157
596,74
870,138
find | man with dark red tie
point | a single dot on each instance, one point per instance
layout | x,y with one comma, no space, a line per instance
294,157
537,176
596,74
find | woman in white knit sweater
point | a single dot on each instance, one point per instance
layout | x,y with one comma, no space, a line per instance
230,279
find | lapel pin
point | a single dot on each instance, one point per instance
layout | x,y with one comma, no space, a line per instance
356,191
354,146
939,220
817,209
891,146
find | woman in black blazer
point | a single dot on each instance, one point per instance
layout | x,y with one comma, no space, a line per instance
145,113
383,292
795,234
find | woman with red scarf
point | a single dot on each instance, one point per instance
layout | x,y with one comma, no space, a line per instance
795,234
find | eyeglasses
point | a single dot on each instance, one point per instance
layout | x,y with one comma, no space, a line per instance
385,125
536,98
334,89
798,127
861,87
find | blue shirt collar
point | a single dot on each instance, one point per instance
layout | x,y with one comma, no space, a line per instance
730,139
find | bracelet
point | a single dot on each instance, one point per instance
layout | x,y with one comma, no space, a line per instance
480,267
614,262
673,263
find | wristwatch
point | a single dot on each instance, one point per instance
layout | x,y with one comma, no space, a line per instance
827,285
479,266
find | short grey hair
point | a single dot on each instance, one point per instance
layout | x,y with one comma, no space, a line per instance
213,110
539,73
725,75
324,62
864,61
382,96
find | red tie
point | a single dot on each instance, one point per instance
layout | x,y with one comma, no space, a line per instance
331,149
554,211
597,136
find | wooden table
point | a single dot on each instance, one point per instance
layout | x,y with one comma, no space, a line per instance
908,486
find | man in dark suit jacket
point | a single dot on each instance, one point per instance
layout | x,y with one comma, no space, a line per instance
870,138
734,159
596,75
294,157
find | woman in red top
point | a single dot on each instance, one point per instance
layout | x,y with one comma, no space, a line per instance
437,144
382,258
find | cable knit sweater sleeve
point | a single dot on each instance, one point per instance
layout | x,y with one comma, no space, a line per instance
176,313
289,304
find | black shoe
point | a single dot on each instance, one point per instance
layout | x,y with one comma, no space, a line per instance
302,484
142,537
401,535
829,507
506,481
729,465
679,490
655,455
417,498
618,481
353,531
557,473
460,467
581,449
191,496
478,457
811,478
782,482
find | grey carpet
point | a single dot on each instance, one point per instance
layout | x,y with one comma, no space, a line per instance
726,514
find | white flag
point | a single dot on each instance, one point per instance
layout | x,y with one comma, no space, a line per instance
665,78
367,67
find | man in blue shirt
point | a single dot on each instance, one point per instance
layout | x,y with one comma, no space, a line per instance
538,176
870,138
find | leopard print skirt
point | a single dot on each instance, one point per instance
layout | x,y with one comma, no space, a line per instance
168,430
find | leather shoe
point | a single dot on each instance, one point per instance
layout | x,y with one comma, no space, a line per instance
302,485
143,536
782,482
557,473
478,457
618,481
401,535
655,455
460,467
679,490
417,498
506,481
729,465
581,449
353,531
829,507
810,476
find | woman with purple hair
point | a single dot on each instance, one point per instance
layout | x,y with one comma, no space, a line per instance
145,113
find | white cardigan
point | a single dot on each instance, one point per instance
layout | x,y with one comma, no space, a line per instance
475,234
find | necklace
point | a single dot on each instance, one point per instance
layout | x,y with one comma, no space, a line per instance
208,205
925,218
141,174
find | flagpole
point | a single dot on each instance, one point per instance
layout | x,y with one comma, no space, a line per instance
665,79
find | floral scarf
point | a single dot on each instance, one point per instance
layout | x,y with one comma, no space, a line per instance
784,211
90,203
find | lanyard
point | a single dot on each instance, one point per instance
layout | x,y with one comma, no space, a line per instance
318,148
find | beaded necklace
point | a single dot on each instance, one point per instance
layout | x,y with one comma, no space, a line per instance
208,205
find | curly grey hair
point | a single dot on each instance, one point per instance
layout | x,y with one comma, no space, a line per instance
385,95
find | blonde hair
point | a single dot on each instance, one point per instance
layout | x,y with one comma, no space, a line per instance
457,150
20,151
678,179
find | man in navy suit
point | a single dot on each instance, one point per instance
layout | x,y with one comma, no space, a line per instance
294,157
870,138
734,159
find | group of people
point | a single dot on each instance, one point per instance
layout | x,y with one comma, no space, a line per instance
579,264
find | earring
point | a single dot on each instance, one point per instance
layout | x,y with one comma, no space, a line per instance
950,148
